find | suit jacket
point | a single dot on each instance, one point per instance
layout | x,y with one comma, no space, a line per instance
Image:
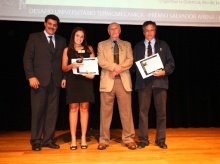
163,50
106,62
40,62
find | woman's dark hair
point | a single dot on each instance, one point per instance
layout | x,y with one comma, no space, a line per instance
84,43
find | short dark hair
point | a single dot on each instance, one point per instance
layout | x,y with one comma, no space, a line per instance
53,17
146,23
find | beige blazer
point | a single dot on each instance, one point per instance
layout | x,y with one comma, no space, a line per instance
106,62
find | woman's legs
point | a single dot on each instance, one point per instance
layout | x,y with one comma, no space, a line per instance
73,119
84,117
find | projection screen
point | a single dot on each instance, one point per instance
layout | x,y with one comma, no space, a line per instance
133,12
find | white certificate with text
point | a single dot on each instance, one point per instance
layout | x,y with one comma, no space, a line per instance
90,65
148,65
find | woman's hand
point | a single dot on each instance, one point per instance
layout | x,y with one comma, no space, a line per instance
63,83
88,75
76,65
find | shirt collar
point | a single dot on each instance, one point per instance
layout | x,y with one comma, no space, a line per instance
114,40
48,34
152,41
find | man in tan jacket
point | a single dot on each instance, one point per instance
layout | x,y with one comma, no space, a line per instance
115,81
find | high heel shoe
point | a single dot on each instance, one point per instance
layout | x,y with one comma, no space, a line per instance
73,147
84,146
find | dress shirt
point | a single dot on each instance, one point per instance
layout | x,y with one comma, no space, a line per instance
152,43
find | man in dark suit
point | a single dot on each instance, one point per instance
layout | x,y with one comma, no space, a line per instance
42,66
155,85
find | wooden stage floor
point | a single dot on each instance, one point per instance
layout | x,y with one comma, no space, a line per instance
185,145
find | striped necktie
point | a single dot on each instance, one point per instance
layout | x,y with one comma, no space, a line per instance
149,49
116,53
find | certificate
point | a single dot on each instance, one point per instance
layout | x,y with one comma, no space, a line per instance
90,65
148,65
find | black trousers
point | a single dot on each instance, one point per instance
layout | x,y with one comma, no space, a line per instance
44,104
159,96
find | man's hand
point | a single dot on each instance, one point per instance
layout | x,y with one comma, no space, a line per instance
34,83
159,73
112,74
118,69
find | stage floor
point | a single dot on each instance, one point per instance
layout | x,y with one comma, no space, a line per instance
185,146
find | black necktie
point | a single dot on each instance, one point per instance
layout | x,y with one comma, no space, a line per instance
51,43
116,53
149,49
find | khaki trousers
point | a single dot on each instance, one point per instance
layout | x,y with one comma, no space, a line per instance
125,111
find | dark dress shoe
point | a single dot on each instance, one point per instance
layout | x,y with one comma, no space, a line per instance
102,146
73,147
84,146
131,145
142,145
52,145
162,145
36,147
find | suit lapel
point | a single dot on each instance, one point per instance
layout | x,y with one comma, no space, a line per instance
44,40
121,52
141,51
110,50
56,42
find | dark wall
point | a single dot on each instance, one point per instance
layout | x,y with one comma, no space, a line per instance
193,96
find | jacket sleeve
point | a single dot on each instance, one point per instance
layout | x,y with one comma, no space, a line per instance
28,58
169,65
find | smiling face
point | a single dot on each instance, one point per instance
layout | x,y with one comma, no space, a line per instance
149,32
114,30
79,37
51,26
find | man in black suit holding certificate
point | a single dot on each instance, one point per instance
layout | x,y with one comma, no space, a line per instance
155,85
42,64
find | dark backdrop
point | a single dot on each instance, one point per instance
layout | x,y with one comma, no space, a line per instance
193,96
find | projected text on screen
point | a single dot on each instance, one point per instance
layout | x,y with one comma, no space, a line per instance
163,12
